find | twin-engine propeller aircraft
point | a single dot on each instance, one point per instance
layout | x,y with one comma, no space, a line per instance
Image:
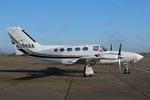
89,55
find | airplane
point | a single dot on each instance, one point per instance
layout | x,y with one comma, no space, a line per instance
90,55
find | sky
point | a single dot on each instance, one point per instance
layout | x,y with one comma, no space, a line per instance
75,22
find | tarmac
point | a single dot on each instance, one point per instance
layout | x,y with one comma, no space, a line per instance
23,78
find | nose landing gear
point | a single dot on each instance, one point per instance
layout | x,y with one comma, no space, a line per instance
126,70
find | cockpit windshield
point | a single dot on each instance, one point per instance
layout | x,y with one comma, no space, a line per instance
103,48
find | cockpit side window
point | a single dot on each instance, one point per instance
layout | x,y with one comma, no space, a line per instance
95,48
104,49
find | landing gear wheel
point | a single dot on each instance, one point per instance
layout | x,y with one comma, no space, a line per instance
126,71
88,75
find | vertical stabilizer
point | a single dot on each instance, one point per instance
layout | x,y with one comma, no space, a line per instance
22,42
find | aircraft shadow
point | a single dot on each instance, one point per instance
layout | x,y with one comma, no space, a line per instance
50,71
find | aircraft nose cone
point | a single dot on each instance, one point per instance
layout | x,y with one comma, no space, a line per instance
138,57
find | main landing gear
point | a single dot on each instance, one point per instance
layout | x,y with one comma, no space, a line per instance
88,71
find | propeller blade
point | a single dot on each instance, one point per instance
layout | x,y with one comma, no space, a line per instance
111,47
119,65
119,60
119,53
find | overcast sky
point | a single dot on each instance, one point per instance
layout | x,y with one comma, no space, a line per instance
52,22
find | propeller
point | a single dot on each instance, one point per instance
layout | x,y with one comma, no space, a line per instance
119,59
110,47
119,53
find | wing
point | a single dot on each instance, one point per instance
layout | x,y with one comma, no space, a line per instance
94,59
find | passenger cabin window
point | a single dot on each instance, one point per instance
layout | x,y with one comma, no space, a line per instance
95,48
77,49
62,49
69,49
56,50
85,48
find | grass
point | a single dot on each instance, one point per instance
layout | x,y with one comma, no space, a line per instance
2,55
146,56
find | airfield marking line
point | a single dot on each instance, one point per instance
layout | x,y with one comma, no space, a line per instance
10,84
130,85
146,71
70,84
68,88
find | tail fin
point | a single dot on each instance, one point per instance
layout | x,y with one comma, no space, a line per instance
22,41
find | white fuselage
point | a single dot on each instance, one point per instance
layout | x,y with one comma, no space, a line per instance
66,53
